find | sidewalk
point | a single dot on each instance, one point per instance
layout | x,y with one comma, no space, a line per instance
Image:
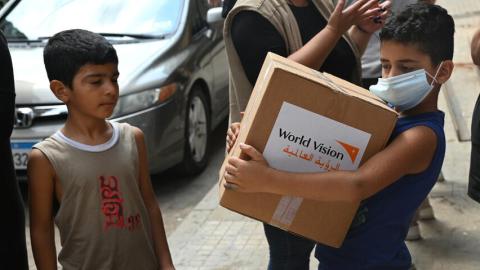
212,237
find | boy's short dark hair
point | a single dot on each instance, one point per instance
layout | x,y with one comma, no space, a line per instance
429,27
67,51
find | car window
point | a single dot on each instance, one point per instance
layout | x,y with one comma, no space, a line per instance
32,19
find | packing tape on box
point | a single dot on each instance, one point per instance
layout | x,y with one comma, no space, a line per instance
330,83
286,211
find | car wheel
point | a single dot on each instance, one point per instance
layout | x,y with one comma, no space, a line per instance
197,133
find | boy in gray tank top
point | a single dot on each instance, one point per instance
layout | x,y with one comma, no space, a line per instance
97,171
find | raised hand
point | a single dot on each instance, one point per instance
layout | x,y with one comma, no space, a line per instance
343,18
376,22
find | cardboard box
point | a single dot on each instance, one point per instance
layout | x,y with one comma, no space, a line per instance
306,121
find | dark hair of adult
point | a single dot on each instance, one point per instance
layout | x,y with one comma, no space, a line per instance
67,51
429,27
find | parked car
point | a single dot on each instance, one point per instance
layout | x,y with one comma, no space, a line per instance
174,75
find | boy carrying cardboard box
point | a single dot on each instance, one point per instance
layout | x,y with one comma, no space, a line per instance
298,118
416,55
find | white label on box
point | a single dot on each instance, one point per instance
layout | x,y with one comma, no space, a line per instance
303,141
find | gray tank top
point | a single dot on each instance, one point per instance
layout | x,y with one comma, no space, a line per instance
102,218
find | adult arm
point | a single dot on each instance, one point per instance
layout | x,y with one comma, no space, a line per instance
41,194
411,152
158,231
254,36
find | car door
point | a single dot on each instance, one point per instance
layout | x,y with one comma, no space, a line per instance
215,58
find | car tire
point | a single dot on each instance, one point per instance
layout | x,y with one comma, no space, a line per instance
197,133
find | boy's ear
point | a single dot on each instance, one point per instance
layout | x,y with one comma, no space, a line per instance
445,71
60,90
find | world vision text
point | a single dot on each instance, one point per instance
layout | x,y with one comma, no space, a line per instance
307,142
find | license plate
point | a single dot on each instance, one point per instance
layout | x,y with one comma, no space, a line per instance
20,151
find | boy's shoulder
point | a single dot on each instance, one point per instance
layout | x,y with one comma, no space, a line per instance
48,143
47,152
39,164
420,135
434,120
415,148
421,128
126,128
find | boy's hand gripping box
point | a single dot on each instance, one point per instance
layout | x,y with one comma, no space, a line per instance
306,121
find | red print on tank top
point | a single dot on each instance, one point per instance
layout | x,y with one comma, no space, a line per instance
112,206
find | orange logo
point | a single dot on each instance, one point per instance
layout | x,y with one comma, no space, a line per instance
352,151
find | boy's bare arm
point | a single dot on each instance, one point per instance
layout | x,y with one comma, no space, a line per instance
41,193
158,230
411,152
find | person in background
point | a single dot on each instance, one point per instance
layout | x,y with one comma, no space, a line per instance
311,32
13,249
474,175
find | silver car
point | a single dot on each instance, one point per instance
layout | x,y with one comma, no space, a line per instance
174,75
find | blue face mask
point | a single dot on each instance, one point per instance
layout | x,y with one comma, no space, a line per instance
405,91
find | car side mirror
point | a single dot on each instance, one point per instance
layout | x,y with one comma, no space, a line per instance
214,15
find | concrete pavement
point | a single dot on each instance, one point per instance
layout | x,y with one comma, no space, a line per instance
214,238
